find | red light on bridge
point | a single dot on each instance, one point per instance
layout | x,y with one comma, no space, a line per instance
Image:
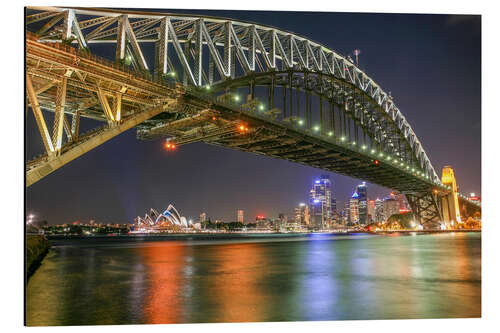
376,162
214,118
170,146
242,128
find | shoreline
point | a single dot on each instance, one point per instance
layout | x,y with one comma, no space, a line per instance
238,235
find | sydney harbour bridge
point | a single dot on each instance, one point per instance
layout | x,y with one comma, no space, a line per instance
234,84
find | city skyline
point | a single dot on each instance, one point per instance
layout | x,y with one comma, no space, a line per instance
193,177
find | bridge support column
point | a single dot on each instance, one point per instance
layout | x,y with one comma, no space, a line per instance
426,207
451,209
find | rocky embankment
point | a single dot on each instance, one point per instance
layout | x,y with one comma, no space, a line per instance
37,247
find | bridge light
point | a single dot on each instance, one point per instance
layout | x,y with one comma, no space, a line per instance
376,162
242,128
316,128
388,158
214,118
301,122
407,167
170,146
342,138
236,98
373,151
363,147
207,87
330,133
172,74
261,107
381,155
353,143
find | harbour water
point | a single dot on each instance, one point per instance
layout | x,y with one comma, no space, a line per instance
189,279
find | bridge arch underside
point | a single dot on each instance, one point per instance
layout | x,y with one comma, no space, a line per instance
305,117
192,78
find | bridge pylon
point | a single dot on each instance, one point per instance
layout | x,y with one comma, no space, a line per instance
449,202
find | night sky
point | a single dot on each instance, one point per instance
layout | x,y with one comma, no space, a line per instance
430,63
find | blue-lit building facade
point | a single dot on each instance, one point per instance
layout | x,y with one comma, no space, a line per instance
321,203
362,197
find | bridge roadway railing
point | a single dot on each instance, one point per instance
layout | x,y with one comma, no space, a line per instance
83,53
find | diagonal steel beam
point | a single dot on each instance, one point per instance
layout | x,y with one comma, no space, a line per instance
105,105
40,121
42,170
57,130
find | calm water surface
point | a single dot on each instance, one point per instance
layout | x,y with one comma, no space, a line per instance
312,277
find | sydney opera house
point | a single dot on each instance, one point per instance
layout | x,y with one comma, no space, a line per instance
169,220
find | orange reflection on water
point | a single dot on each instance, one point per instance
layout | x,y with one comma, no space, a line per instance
235,283
165,262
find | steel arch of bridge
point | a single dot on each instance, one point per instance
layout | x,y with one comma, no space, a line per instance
318,102
211,50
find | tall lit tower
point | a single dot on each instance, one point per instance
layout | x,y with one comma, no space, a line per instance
320,202
451,209
240,216
379,210
362,203
354,209
371,210
302,214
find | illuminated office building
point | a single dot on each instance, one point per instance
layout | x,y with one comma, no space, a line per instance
362,204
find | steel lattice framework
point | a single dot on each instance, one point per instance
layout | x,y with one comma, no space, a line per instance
181,77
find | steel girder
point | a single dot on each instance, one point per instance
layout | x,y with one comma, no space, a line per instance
425,206
61,80
230,45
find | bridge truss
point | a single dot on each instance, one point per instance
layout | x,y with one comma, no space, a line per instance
193,78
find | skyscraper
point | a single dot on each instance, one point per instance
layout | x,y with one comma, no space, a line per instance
317,215
371,211
362,203
391,207
240,216
400,197
302,214
354,209
379,210
321,202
